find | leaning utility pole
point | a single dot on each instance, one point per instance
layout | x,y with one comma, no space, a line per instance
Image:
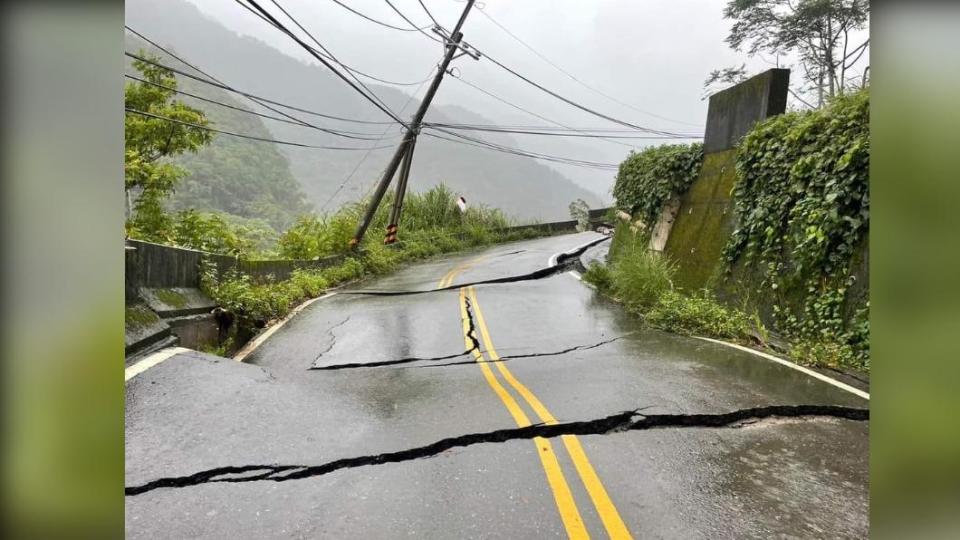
405,150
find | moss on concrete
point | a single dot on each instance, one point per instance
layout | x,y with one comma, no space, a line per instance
171,298
139,316
705,221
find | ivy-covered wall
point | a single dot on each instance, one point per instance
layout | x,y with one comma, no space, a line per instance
647,179
776,222
802,209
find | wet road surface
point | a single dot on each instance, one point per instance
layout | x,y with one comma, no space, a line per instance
519,409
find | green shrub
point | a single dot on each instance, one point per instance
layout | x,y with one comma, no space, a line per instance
641,279
349,270
311,282
379,259
431,216
699,315
211,232
255,304
802,202
649,178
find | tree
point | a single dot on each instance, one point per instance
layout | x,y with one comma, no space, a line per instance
149,178
818,33
724,77
580,211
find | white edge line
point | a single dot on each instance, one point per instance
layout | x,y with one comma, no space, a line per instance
263,336
553,261
579,277
791,365
151,361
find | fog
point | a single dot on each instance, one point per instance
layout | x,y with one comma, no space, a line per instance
653,55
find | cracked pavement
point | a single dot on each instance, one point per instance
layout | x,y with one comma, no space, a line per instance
331,429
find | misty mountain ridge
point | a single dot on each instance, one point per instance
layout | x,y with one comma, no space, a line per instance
520,186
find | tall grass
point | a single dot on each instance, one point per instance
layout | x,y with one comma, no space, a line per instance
639,276
431,216
642,280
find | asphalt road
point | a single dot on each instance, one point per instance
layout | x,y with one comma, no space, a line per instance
376,416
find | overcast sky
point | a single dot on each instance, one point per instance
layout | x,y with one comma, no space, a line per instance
652,54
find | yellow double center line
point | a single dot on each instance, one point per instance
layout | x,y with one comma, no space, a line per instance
569,514
448,278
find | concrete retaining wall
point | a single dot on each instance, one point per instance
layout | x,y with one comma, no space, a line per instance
157,266
706,218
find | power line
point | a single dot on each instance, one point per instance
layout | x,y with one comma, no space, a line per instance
366,155
541,127
531,113
424,6
385,81
371,19
236,108
574,103
543,88
329,54
575,133
241,135
326,54
574,78
258,101
254,97
263,102
324,61
525,153
412,24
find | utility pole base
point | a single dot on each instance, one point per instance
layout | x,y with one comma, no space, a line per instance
391,237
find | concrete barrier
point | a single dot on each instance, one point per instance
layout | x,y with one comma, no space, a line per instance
597,218
153,266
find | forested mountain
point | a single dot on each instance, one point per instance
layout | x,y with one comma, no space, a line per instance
242,177
521,186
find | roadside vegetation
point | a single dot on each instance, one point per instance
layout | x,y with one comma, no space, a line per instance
642,280
801,201
431,223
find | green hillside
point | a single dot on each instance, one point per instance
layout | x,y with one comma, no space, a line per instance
242,177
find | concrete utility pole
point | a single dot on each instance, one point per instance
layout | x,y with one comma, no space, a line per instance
405,150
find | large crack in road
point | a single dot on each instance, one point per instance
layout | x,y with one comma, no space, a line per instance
617,423
565,262
410,360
